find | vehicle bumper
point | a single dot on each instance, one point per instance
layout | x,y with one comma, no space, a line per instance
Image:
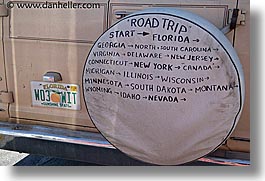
82,146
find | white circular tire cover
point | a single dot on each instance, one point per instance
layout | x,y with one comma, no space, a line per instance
164,86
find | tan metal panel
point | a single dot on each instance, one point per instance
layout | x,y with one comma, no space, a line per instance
242,44
218,19
3,106
29,60
38,45
58,24
218,10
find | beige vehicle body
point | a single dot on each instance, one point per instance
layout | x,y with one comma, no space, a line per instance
36,41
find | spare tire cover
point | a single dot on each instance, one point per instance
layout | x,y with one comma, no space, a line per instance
164,86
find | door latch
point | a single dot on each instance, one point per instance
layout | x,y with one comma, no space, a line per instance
6,97
121,14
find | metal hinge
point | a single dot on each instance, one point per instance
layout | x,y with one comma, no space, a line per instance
236,17
6,97
241,20
240,16
3,10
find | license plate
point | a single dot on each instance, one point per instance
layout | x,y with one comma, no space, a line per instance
55,95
